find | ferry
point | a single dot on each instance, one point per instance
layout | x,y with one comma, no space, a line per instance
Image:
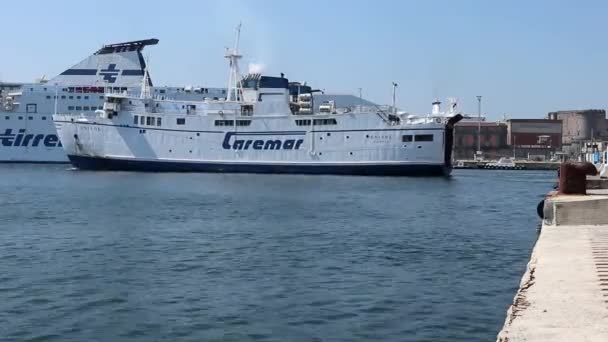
265,125
27,133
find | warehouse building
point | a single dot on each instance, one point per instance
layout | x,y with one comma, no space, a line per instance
493,139
534,138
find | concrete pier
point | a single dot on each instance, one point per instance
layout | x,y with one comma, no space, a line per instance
563,295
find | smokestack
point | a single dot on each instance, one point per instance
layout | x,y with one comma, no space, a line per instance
436,108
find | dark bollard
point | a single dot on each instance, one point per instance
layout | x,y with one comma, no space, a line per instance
573,177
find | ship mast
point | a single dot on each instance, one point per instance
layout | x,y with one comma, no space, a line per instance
395,85
233,56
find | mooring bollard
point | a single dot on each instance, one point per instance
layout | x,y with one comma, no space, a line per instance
573,177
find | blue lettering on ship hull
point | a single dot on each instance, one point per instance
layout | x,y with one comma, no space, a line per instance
260,144
8,139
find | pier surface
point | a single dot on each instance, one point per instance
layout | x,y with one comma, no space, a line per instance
563,295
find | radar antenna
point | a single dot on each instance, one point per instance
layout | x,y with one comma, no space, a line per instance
453,105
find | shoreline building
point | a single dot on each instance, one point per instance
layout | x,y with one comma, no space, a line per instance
535,139
581,126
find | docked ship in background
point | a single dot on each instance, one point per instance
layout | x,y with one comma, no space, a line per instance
266,125
27,133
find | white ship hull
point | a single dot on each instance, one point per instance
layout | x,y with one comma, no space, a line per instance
267,145
29,141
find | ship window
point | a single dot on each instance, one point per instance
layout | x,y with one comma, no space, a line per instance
44,118
135,120
86,108
181,121
424,137
30,118
142,119
325,122
78,108
247,110
149,120
63,97
7,118
243,122
162,91
21,118
86,97
70,107
71,97
48,97
78,97
407,138
224,122
303,122
31,108
158,121
101,97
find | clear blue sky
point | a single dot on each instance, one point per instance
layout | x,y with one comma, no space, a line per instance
525,57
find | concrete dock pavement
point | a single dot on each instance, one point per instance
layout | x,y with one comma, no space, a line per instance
563,295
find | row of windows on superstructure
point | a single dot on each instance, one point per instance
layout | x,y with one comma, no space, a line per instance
71,97
29,118
86,108
101,90
147,120
317,122
88,90
417,137
231,122
32,108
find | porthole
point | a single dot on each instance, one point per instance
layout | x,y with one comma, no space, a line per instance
328,134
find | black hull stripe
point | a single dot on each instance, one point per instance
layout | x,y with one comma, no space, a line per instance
98,163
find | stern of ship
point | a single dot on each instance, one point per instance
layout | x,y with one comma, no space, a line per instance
449,143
